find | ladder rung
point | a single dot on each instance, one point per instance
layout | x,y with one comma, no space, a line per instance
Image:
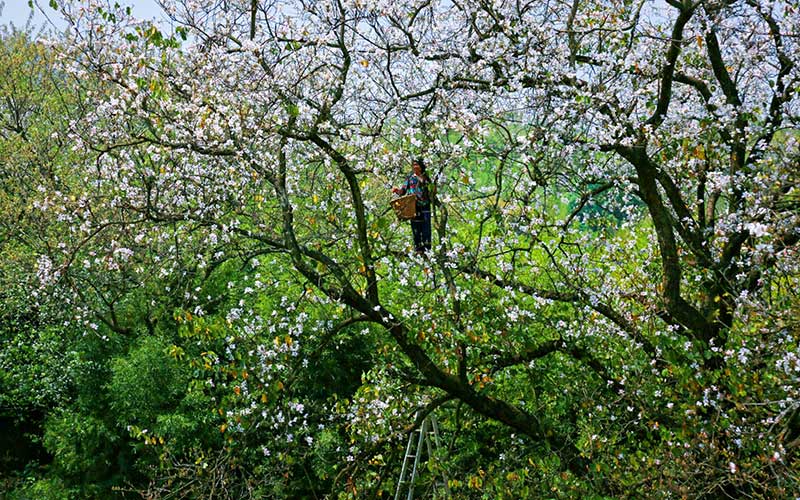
421,436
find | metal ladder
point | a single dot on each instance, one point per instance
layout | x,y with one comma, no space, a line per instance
413,454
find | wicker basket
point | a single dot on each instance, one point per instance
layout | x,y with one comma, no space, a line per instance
405,206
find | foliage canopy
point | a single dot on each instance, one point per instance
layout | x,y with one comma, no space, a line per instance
610,308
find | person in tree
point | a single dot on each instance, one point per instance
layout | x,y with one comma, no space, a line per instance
419,184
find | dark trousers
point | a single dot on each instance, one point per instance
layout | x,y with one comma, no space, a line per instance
421,229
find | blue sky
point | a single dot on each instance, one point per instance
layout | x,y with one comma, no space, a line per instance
17,11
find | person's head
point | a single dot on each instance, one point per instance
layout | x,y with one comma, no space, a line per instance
419,166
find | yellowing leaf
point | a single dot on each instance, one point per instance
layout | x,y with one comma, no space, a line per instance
475,482
699,152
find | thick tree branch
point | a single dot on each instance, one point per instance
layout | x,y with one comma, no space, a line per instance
780,93
668,70
253,12
360,213
675,304
720,70
687,227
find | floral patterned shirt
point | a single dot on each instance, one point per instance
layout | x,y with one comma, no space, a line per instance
419,187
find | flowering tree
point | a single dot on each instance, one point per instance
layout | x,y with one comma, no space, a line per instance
616,260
